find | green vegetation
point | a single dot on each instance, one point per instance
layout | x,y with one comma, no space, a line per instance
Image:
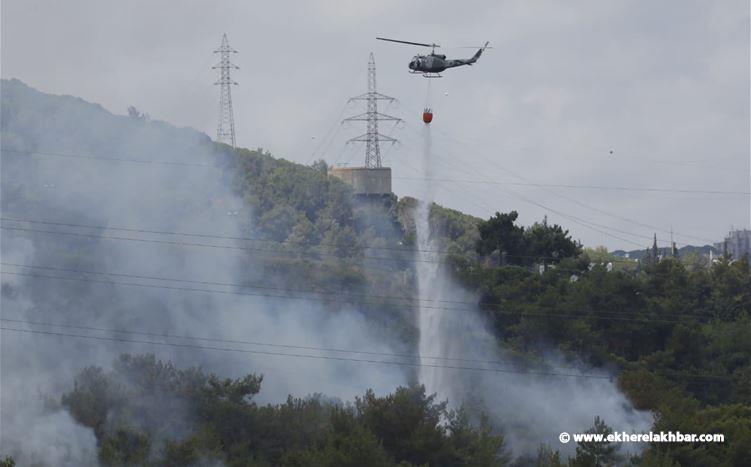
681,336
679,332
323,238
676,333
132,409
541,242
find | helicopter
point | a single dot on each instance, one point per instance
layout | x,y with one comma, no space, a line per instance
430,66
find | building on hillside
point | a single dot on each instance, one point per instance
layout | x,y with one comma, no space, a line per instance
365,180
736,244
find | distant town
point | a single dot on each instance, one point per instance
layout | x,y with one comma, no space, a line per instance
735,245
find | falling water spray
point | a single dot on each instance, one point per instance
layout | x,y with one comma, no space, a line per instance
432,320
529,408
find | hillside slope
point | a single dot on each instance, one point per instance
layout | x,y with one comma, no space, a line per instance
123,235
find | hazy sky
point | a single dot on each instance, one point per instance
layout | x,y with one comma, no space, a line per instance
664,85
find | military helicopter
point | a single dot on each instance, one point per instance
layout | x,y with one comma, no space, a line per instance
430,66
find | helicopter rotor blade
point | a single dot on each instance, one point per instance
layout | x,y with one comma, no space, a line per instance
407,42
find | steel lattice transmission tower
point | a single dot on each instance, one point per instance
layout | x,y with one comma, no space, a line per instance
225,131
372,138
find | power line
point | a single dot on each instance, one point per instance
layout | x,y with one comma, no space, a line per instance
251,239
207,245
299,355
226,284
214,236
523,179
574,219
585,187
444,252
552,267
320,147
110,159
339,358
247,286
571,218
246,342
538,258
226,349
490,182
496,307
488,211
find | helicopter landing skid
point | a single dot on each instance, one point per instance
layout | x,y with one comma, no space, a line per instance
426,74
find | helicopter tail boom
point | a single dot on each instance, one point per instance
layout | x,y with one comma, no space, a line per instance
467,61
478,53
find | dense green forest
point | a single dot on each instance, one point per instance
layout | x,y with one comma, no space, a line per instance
679,339
675,333
143,397
679,336
693,373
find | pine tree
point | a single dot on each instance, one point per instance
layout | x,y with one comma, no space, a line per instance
597,454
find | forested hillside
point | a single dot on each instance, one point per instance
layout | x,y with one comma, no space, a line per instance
677,340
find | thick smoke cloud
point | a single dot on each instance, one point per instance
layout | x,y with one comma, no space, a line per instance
193,195
530,408
125,194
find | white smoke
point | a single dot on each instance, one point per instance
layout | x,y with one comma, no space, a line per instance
198,199
34,436
531,408
171,198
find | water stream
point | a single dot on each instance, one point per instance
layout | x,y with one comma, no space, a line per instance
531,408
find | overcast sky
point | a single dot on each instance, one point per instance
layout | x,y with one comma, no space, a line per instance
663,85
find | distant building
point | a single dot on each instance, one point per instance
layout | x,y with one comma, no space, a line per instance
736,244
365,180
